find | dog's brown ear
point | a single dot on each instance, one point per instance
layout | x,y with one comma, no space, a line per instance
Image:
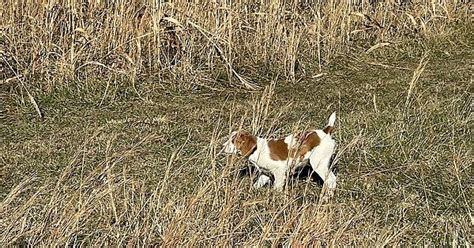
245,142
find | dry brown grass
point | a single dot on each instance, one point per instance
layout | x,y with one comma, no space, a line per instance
135,99
57,43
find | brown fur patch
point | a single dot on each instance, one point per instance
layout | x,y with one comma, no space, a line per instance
328,129
245,142
307,141
278,149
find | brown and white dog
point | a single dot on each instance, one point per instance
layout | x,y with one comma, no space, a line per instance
279,156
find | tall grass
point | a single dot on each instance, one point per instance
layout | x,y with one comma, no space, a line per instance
54,43
151,174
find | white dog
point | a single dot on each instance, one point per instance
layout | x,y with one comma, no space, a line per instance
278,156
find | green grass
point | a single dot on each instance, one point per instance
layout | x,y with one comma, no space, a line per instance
404,173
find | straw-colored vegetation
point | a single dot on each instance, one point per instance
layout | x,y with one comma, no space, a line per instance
112,114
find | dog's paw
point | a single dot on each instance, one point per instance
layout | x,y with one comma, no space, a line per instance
261,181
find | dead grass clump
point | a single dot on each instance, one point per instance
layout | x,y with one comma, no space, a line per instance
58,42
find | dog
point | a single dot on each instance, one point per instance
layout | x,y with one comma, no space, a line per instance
277,157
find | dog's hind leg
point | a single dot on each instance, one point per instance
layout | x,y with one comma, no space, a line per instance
320,160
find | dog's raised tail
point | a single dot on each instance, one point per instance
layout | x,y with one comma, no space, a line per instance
330,127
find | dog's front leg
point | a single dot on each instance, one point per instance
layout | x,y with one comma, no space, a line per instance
280,179
261,181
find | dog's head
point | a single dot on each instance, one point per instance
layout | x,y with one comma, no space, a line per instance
240,142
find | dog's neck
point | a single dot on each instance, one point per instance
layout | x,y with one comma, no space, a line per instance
252,151
254,155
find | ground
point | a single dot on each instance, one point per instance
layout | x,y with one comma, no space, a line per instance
118,168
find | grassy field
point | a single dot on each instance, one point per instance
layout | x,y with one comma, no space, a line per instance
130,155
